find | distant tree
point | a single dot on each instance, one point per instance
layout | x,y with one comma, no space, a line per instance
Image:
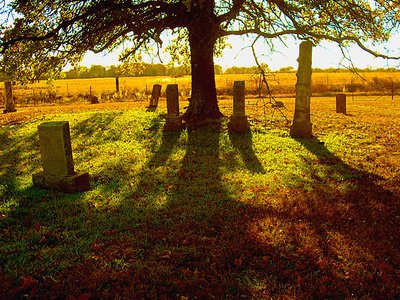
178,71
130,69
77,72
286,69
36,36
246,70
97,71
154,70
218,70
111,71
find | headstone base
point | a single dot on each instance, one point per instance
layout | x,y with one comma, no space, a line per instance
301,130
9,110
238,124
78,182
173,123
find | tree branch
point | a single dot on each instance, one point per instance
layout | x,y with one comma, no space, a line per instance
234,11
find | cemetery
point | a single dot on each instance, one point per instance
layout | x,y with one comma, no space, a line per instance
200,190
166,209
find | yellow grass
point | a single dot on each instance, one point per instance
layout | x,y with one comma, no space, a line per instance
280,83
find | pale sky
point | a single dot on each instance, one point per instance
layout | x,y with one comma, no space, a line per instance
325,55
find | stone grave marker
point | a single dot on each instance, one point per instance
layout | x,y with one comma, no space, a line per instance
302,127
341,103
8,98
238,122
173,121
58,166
155,96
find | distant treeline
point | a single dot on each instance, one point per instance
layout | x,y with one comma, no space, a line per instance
144,69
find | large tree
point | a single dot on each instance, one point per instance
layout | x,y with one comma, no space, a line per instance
38,35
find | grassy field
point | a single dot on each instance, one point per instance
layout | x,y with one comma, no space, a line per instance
205,214
139,88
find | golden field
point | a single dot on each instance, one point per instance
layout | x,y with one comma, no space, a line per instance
138,88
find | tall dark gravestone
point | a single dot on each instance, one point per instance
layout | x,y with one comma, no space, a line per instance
238,122
155,96
302,127
173,121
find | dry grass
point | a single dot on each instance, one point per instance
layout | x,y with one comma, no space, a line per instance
138,88
206,214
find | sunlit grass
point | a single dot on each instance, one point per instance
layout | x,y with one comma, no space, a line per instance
136,87
258,215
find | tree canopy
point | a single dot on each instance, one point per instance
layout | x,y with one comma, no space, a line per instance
38,36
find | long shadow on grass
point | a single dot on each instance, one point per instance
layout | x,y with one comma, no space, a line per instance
199,238
352,225
187,234
333,241
243,143
8,179
96,126
14,163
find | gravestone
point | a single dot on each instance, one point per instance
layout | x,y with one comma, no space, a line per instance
341,103
173,121
58,166
8,98
302,127
155,95
238,122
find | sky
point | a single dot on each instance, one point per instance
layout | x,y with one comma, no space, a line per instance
325,55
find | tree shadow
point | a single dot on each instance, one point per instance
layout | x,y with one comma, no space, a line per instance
197,241
15,162
186,233
96,125
244,144
330,241
354,225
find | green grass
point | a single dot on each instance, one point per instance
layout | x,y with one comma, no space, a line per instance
179,208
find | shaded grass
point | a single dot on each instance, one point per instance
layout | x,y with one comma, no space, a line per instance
205,213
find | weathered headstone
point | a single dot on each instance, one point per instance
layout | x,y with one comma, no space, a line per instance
173,121
58,166
341,103
238,121
155,96
8,98
302,127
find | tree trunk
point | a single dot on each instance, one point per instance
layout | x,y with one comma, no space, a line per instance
203,105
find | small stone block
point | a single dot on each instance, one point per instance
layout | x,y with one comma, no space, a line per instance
301,130
341,103
77,182
173,123
238,124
